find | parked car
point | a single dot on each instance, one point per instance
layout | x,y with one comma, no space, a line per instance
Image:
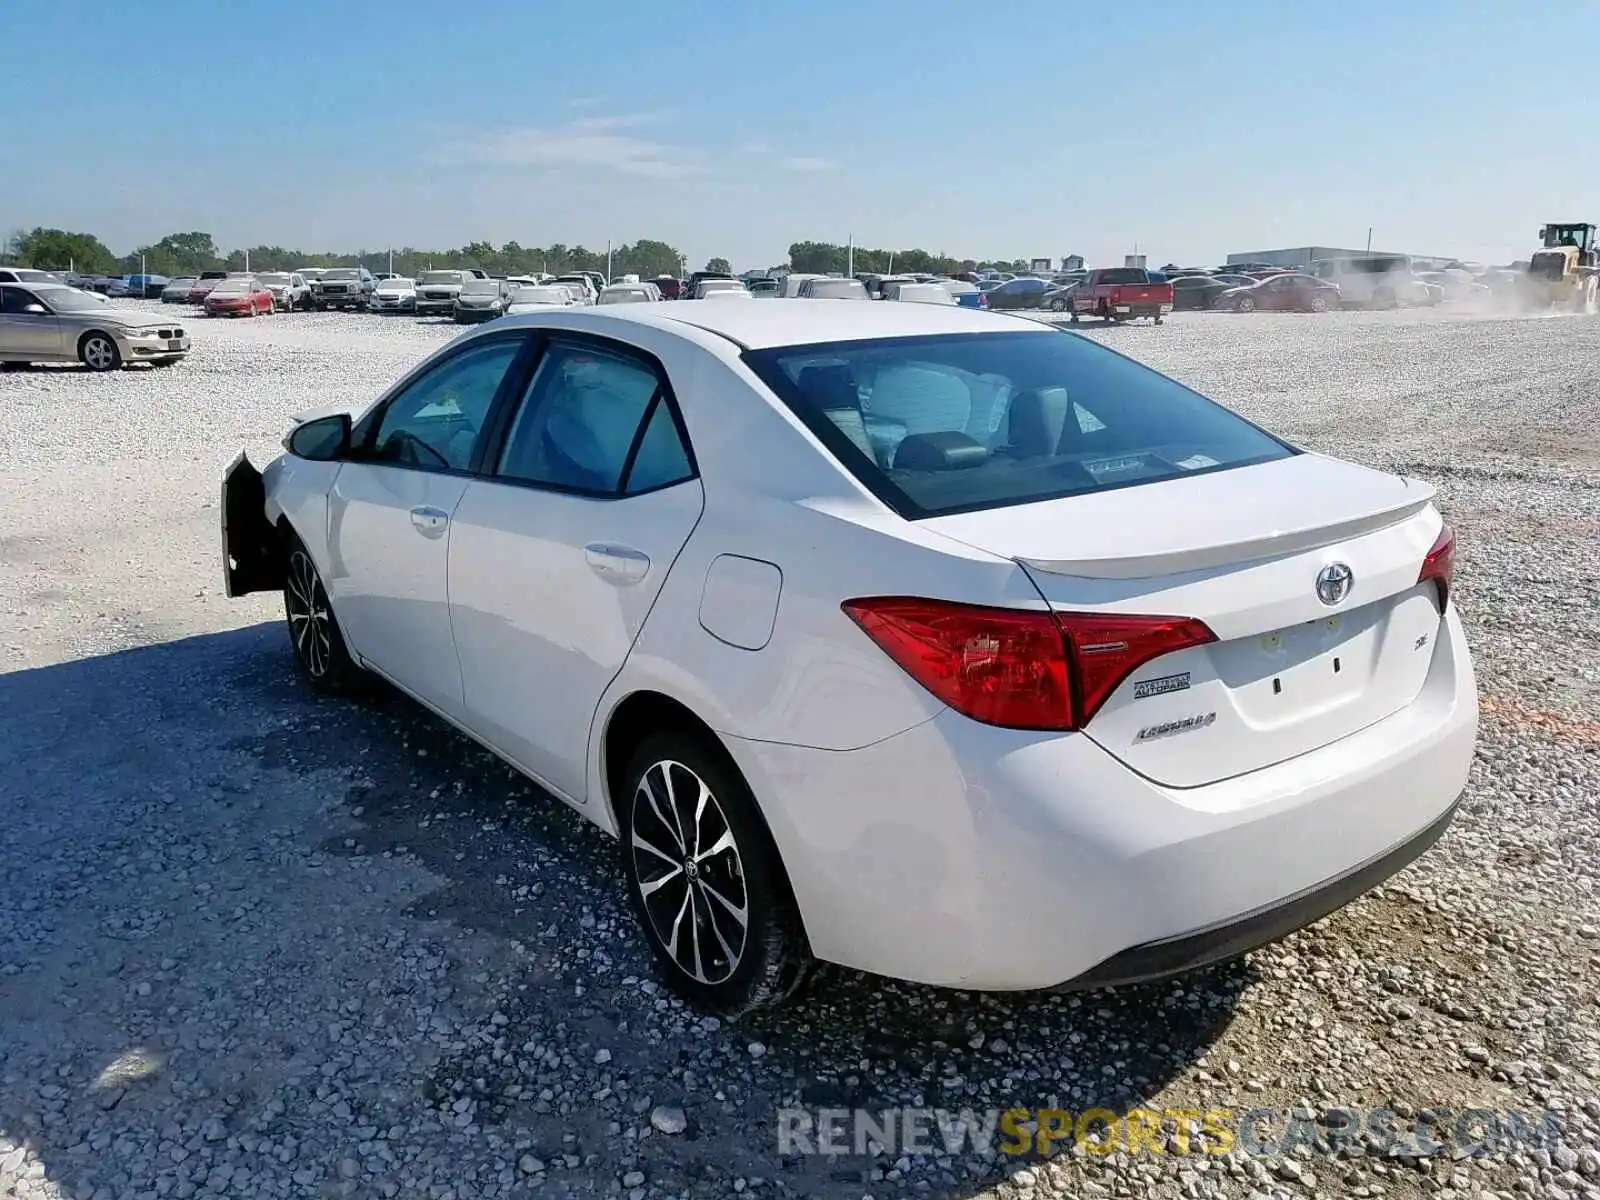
342,288
1117,294
51,322
583,286
537,299
290,290
1181,738
720,283
120,288
769,289
480,300
918,293
628,293
203,285
239,298
33,275
1018,293
830,289
1058,297
671,287
1197,291
395,294
793,282
1373,280
877,284
967,295
437,290
1303,293
177,290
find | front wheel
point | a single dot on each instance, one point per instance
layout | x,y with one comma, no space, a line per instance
1244,304
1057,304
319,649
705,880
1319,304
98,352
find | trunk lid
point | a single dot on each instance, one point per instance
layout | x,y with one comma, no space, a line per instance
1141,293
1241,550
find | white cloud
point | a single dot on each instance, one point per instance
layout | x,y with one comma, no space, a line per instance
805,164
621,143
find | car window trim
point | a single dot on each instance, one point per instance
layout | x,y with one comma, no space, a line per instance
503,416
365,431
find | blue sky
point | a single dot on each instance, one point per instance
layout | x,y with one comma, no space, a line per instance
992,129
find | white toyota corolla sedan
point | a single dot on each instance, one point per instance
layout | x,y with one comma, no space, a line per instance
935,643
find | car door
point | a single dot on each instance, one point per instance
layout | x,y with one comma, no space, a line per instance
27,327
389,517
559,551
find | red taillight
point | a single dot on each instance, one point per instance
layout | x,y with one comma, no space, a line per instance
1440,564
1019,668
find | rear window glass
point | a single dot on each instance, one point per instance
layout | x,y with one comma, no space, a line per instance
945,424
1124,275
440,277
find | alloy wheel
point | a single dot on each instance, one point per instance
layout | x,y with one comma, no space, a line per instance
688,869
309,626
99,353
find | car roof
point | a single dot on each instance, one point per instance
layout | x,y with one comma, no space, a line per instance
808,322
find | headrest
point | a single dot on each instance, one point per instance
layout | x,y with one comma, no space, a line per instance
1038,420
944,450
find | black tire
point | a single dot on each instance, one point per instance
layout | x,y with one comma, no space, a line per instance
315,639
1319,304
98,351
736,977
1057,304
1244,304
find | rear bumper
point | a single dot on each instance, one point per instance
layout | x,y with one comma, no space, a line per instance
1174,956
967,856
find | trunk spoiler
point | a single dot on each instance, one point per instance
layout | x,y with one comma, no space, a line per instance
1307,536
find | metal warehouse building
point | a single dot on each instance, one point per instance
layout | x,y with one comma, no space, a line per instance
1302,257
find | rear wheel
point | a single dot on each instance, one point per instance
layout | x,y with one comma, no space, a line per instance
1057,304
98,352
1319,304
314,635
705,879
1244,304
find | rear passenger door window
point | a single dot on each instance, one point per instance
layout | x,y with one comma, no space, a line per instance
596,422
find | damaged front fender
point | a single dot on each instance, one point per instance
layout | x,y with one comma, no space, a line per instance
252,549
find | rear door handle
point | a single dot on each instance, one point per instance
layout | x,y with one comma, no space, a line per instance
617,564
430,522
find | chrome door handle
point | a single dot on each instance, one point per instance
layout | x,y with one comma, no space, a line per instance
617,564
430,522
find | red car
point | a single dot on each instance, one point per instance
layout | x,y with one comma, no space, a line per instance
239,298
1302,293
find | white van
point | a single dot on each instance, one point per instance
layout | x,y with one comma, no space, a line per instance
1373,280
792,282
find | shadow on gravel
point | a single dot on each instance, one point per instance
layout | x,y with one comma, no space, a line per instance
522,868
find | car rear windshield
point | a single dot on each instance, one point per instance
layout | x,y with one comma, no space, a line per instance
954,423
1124,275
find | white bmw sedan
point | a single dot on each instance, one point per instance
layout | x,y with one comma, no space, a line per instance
935,643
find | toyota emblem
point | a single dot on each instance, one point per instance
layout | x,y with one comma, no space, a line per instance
1333,583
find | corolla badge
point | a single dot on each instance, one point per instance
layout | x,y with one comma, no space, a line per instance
1334,582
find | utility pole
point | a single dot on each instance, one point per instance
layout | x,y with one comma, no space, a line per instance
850,256
247,262
608,260
391,260
1369,239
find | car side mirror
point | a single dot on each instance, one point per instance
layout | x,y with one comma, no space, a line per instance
38,310
326,439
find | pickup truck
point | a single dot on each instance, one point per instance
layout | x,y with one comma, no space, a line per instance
1121,294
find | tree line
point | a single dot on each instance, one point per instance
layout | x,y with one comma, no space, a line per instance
194,251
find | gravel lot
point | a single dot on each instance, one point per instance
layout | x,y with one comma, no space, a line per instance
256,944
